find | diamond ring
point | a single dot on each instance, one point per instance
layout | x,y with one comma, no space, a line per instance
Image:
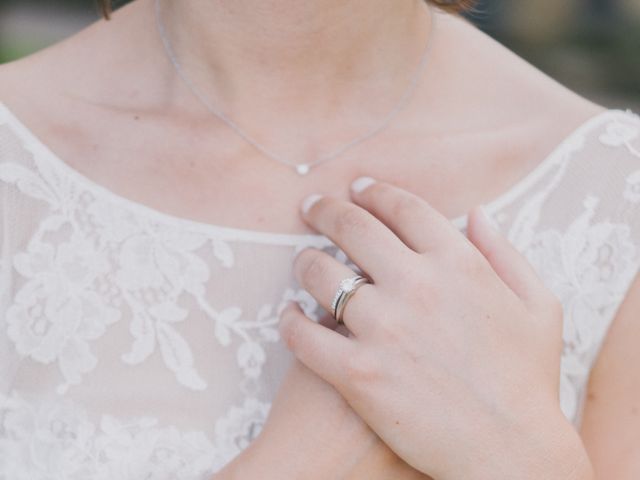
345,291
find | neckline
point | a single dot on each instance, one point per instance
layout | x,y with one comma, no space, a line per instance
38,147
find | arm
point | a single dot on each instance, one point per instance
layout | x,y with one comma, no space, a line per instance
611,422
312,433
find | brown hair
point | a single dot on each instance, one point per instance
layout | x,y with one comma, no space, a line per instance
448,5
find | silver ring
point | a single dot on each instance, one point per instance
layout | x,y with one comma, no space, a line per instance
345,291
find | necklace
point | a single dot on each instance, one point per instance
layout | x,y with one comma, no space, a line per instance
300,168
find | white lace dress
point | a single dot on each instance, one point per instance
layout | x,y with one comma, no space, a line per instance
138,345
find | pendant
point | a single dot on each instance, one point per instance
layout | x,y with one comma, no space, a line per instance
302,169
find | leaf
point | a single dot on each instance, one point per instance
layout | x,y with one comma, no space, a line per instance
223,252
222,334
169,312
28,182
177,356
141,328
223,323
270,334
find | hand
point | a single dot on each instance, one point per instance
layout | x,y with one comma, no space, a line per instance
312,433
454,356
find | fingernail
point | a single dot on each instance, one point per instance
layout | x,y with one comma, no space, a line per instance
361,184
309,202
490,221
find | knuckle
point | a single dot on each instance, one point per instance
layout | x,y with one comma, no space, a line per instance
465,260
311,267
289,331
403,206
350,221
426,297
421,284
361,369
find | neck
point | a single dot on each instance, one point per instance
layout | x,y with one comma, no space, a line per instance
310,61
325,47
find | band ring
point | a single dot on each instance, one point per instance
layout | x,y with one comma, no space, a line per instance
345,291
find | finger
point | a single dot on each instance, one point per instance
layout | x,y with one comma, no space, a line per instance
320,274
510,265
365,240
420,226
321,349
329,322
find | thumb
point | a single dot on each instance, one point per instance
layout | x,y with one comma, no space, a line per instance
510,265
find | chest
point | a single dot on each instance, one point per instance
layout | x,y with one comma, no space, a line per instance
204,171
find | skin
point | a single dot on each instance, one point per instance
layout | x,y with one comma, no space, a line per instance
454,347
106,100
611,423
340,445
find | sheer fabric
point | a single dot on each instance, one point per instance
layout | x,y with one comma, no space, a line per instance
136,344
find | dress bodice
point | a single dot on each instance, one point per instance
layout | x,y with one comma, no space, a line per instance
136,344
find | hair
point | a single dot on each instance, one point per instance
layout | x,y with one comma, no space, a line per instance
454,6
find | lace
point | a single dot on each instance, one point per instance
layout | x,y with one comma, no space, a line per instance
136,344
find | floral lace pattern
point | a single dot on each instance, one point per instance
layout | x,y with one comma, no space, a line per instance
587,266
103,289
56,314
110,259
56,437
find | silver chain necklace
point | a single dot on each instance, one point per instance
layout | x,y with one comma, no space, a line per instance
300,168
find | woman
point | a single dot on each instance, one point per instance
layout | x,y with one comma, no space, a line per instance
145,163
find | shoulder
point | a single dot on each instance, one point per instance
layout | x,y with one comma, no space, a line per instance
81,87
93,66
504,89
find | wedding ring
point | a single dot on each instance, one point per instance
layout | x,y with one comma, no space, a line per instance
345,291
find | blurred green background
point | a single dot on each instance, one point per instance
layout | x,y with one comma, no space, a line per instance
592,46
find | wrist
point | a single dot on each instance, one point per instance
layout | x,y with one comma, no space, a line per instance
558,453
275,460
255,462
547,447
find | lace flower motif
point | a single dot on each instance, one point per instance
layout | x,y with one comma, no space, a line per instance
240,427
38,441
154,270
142,449
54,438
58,311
